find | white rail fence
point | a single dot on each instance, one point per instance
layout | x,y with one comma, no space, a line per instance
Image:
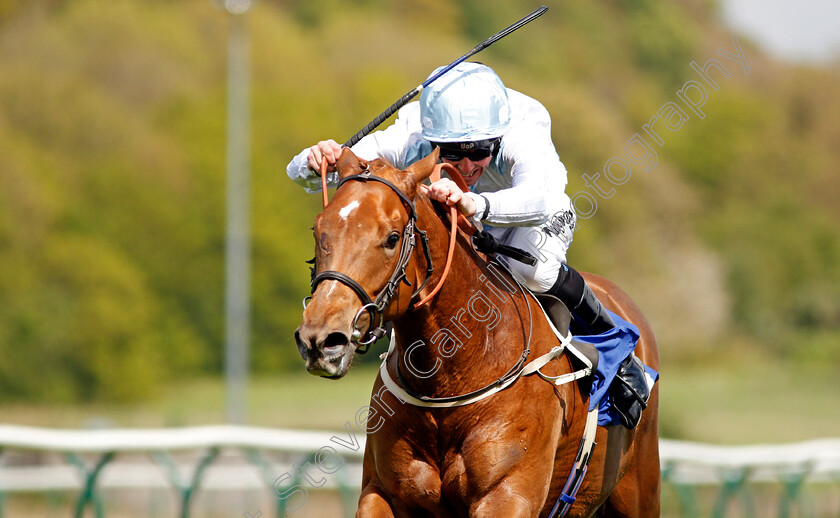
290,464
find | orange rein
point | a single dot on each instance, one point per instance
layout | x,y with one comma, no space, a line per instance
324,180
456,218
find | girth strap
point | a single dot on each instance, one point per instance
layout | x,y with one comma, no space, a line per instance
570,489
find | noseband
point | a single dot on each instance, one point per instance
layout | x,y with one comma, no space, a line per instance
375,307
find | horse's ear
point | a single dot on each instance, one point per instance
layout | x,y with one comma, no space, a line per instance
349,164
423,168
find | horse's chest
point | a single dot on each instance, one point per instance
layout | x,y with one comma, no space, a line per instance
455,478
423,482
447,473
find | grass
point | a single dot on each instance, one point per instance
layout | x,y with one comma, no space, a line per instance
749,402
738,401
289,400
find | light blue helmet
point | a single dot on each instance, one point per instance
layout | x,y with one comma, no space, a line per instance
466,104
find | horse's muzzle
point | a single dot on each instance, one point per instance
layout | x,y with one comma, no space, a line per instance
326,354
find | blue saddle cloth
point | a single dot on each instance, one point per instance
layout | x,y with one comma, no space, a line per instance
613,347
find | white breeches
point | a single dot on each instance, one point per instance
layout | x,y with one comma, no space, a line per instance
547,242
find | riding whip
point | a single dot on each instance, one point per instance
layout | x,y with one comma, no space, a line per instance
410,95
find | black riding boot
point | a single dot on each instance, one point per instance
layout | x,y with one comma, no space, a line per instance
629,390
578,297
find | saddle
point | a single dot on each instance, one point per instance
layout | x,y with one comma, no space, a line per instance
562,320
629,390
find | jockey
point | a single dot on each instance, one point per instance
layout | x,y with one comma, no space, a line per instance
500,142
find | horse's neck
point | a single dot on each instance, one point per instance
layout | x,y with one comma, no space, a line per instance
473,329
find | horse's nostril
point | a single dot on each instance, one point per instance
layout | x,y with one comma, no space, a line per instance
302,346
336,340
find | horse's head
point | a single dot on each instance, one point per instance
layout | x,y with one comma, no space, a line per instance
364,249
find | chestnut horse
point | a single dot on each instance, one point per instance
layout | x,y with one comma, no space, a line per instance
507,455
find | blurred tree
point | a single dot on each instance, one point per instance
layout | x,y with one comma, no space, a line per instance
112,168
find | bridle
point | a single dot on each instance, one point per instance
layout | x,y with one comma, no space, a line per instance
375,307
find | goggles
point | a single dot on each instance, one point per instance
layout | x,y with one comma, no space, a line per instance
475,151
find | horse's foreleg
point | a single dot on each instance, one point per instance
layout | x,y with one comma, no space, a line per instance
637,493
372,504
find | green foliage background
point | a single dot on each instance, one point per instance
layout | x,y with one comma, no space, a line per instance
112,174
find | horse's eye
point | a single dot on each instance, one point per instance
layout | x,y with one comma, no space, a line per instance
392,240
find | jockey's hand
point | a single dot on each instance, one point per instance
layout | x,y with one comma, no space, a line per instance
446,191
329,148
